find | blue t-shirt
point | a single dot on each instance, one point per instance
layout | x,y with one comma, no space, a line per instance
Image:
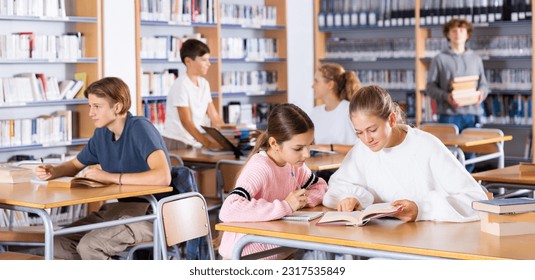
128,154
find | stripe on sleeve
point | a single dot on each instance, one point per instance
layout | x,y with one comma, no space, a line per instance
241,192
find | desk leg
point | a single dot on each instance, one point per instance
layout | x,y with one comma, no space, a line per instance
47,223
155,235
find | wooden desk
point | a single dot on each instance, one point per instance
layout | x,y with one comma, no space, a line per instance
461,141
35,198
319,162
387,238
508,177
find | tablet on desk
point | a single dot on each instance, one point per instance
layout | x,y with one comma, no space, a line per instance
223,141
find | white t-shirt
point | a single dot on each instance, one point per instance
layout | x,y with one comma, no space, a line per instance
333,127
184,93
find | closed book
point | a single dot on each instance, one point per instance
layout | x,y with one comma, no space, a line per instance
358,218
15,179
465,78
507,218
527,169
75,182
505,205
464,85
303,216
10,170
508,229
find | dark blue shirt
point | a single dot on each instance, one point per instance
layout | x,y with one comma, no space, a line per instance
129,154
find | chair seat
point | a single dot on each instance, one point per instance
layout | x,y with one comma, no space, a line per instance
19,256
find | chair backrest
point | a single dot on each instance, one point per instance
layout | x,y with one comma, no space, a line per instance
181,218
176,160
438,129
484,149
227,172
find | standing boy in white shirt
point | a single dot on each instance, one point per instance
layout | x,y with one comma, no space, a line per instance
190,101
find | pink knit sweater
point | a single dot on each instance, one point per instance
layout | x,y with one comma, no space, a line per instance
259,196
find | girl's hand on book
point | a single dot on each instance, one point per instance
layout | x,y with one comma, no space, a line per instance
348,204
45,172
297,199
409,211
452,102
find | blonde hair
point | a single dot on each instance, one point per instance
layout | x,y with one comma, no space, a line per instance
374,100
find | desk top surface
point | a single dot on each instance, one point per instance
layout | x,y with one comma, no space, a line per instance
43,197
438,239
321,161
509,174
471,140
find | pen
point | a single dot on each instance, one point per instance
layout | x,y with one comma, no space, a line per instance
42,160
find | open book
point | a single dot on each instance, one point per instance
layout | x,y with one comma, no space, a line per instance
76,182
358,218
303,216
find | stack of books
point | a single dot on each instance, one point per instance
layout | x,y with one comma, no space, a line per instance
14,174
508,216
464,90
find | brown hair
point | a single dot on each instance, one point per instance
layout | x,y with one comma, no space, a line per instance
284,121
457,23
193,48
375,101
347,82
113,89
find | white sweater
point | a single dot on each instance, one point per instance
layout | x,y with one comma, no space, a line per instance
420,169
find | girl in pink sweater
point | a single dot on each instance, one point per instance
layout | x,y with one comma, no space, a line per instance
275,180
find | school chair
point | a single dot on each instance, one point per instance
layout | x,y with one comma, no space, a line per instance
227,172
176,160
183,217
487,151
443,129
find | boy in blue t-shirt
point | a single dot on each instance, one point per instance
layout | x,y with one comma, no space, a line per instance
130,151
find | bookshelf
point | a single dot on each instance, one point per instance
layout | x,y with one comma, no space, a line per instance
509,73
229,64
18,113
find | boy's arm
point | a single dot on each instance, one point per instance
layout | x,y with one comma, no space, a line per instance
216,120
69,168
184,113
159,173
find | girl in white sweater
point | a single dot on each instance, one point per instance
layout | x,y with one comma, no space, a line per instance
393,162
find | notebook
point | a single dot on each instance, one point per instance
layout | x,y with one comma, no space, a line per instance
303,216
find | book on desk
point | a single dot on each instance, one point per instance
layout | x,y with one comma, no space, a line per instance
358,218
304,216
506,217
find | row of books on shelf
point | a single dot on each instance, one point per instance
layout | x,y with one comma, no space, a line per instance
246,114
508,79
508,109
58,127
434,12
369,49
347,13
27,45
498,109
179,11
486,46
34,8
388,78
158,83
166,46
248,15
35,87
249,81
507,216
155,112
249,48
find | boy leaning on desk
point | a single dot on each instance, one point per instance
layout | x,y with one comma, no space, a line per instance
130,151
189,101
